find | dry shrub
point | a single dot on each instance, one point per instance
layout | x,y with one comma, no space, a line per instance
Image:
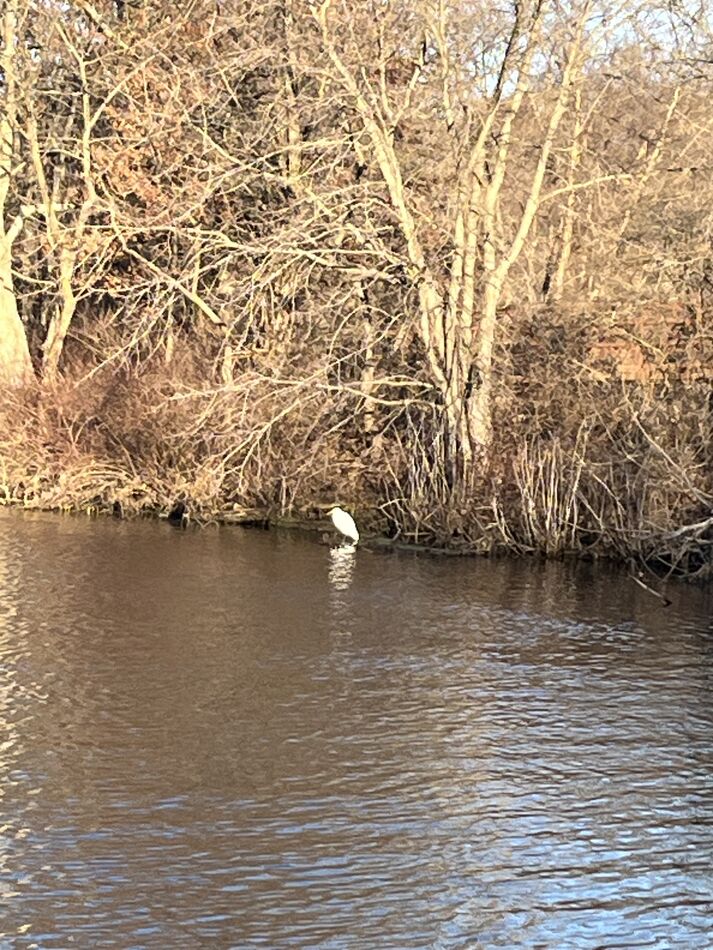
586,462
143,437
611,471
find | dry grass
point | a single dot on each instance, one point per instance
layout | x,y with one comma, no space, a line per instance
614,477
139,440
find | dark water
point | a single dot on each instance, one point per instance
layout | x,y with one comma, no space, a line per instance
238,739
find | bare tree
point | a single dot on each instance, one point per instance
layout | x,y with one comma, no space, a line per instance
458,309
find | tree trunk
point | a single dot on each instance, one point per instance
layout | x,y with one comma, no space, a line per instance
61,321
15,364
575,158
481,413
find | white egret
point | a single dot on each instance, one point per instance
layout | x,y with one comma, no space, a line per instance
344,523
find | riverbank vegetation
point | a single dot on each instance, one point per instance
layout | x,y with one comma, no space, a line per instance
446,263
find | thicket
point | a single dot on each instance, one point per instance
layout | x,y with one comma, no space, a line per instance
446,263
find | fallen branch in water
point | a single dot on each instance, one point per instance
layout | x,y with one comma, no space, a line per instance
644,586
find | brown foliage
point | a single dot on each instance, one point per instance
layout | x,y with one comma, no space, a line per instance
451,263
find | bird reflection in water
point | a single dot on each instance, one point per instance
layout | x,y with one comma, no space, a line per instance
341,570
341,566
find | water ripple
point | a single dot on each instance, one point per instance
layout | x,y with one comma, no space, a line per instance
241,739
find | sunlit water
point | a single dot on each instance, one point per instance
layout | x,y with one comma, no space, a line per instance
242,739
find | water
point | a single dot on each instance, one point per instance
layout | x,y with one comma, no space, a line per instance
242,739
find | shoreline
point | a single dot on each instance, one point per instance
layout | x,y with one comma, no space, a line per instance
263,519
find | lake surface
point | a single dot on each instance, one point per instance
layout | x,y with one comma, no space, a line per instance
232,738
